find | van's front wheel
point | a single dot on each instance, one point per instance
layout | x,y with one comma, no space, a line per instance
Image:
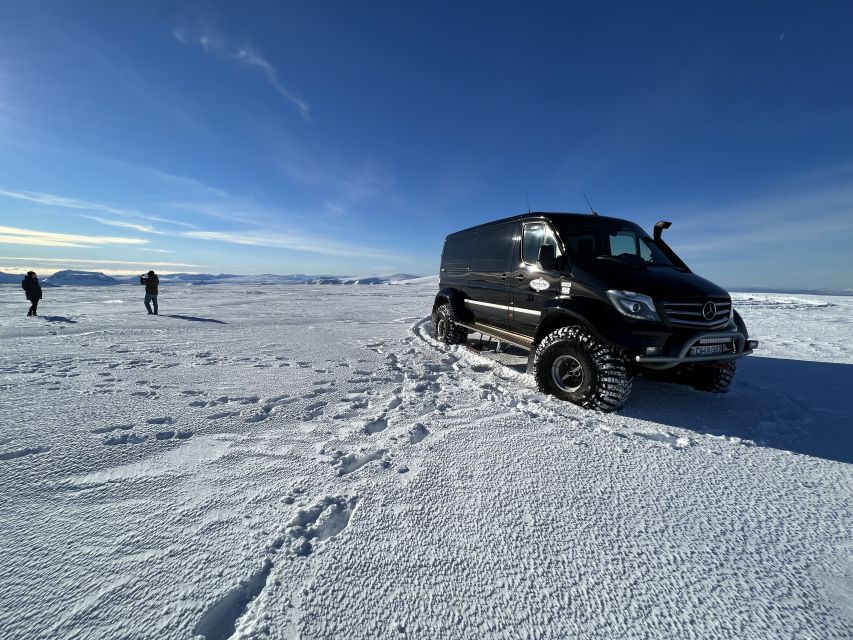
445,328
572,365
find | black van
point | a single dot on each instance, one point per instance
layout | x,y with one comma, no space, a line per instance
592,299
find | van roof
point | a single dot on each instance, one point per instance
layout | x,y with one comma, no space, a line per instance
550,215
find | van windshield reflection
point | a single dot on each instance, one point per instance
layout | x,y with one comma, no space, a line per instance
604,242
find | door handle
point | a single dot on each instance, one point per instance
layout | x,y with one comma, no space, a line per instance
504,276
519,277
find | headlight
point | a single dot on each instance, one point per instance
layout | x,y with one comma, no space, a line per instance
633,305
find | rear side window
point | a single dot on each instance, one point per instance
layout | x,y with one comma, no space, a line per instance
456,252
534,236
490,248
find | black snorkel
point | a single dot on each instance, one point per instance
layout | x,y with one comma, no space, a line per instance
665,248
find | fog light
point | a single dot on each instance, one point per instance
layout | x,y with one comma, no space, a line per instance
651,351
752,344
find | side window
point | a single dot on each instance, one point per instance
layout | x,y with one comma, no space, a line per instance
455,251
645,252
490,248
534,236
582,245
532,239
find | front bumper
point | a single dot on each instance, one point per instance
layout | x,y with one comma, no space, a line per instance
740,347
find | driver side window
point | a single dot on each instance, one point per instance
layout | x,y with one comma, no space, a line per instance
534,236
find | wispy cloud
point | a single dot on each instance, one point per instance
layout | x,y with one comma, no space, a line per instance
61,201
53,200
778,221
78,261
253,59
15,235
229,209
291,241
341,185
17,264
123,224
249,57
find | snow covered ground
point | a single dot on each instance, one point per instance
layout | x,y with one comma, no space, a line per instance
306,462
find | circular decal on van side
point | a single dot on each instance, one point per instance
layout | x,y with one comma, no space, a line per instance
539,284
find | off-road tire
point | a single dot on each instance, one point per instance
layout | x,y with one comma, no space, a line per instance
714,377
605,383
445,328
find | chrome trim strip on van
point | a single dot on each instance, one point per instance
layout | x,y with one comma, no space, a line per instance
503,306
486,304
530,311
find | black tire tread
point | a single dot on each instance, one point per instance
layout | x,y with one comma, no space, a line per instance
455,334
614,381
711,378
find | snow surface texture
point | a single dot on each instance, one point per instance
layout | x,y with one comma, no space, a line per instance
306,462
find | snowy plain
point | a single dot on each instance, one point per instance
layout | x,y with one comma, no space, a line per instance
306,462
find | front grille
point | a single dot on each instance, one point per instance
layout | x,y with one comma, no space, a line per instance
691,312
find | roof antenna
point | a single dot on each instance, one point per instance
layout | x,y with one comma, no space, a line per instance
527,199
591,210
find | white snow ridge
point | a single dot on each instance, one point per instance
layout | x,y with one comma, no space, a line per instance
279,461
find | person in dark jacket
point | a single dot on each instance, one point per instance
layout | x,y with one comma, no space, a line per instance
152,283
32,289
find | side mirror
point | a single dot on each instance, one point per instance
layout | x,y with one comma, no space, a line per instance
547,257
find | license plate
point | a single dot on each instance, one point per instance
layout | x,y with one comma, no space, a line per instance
706,350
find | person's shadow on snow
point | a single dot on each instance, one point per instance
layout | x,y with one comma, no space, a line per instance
795,405
196,319
58,319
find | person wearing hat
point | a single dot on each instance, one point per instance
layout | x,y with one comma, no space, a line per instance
151,282
32,289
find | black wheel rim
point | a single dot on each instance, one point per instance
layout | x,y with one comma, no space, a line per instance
567,373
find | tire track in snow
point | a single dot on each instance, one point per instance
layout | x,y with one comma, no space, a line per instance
524,396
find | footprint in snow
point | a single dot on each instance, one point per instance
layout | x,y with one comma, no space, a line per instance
223,414
20,453
347,463
375,426
314,410
319,391
417,433
666,439
168,435
125,438
324,520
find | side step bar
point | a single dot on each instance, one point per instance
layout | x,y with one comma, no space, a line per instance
499,334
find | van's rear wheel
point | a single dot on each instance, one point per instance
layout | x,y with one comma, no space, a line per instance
714,377
572,365
445,328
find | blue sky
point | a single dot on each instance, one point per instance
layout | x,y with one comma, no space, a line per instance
350,138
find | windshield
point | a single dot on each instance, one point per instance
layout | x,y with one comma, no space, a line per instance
612,241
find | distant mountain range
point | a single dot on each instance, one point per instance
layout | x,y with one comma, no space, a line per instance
74,278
